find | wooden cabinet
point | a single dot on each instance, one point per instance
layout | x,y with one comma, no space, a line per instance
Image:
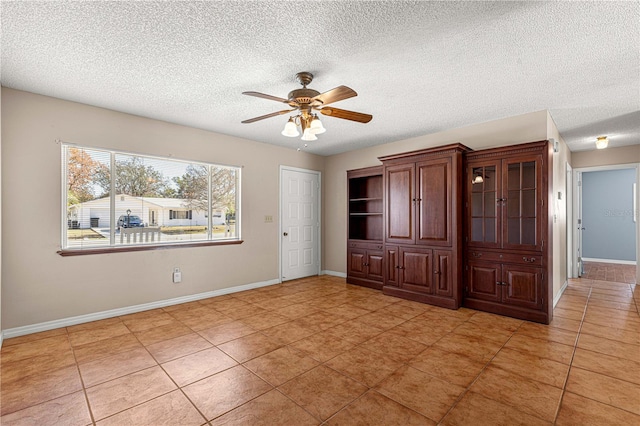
423,225
365,260
365,265
507,231
418,203
420,274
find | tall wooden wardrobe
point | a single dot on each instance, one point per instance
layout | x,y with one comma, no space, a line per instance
423,225
508,231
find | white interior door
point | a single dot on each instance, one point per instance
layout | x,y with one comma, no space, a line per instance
299,223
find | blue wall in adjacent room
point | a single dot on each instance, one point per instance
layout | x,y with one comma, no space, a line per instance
607,213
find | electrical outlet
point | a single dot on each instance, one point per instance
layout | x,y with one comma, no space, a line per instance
177,275
268,219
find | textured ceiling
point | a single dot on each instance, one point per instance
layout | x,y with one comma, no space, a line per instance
418,67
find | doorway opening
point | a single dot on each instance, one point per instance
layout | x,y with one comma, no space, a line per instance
605,223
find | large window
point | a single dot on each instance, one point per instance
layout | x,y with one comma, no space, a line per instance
113,199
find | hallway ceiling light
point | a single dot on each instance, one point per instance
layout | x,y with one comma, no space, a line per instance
602,142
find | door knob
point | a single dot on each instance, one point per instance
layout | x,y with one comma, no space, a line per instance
285,234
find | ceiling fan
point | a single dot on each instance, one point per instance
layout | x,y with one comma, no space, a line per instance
304,101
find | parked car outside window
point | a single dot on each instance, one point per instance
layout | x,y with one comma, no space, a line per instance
130,221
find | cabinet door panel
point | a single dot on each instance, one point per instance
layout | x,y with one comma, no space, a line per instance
357,262
482,281
416,270
442,272
375,268
524,286
522,188
399,203
483,204
391,266
434,202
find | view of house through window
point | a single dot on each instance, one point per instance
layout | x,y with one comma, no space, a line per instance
114,199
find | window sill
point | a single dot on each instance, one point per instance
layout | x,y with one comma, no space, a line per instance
81,252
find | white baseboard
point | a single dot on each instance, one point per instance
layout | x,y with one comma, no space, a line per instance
66,322
620,262
1,338
334,273
559,295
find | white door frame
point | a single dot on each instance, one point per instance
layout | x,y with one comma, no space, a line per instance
569,221
280,210
577,206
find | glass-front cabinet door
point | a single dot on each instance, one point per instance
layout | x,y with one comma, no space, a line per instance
484,222
521,203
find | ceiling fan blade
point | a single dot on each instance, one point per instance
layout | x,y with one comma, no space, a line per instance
273,114
262,95
346,115
334,95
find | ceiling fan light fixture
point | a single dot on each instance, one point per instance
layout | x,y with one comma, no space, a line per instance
316,126
308,135
602,142
290,129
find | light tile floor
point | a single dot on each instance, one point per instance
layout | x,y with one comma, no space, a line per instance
319,351
610,272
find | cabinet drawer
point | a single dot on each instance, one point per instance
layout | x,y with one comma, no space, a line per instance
364,245
502,257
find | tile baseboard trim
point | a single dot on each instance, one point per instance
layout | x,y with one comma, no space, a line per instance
80,319
334,273
559,295
619,262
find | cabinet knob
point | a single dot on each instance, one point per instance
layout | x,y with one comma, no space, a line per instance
437,272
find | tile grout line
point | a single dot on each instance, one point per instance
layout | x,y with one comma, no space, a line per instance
573,354
468,388
84,388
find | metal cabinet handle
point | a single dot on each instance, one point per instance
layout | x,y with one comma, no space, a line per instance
530,259
474,254
285,234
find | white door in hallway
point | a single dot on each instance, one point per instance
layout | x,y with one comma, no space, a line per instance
299,223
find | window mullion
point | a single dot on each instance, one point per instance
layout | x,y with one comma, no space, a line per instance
209,209
112,199
65,192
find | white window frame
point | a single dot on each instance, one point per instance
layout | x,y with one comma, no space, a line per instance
112,246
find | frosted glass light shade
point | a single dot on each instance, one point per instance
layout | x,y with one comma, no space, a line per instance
316,126
308,135
290,129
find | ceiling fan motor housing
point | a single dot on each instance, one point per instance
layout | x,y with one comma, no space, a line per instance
303,96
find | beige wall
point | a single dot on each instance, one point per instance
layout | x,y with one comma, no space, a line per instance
559,207
606,157
519,129
38,285
1,337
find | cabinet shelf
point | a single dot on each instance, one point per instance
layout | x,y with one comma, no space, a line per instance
365,204
366,199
